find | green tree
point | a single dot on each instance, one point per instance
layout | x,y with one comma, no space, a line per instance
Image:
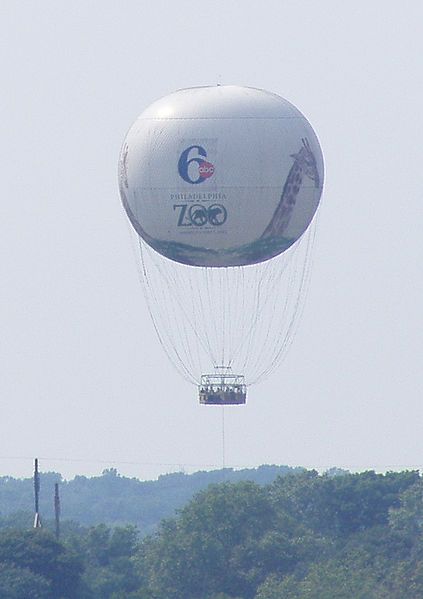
200,554
332,579
340,505
108,560
39,552
275,587
407,518
21,583
117,500
140,594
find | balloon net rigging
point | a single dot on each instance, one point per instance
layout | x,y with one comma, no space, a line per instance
242,317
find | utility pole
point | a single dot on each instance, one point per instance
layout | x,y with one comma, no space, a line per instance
37,519
57,509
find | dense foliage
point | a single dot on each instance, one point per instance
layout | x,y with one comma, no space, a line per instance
116,499
303,536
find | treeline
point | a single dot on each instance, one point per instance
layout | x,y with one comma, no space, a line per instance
304,536
116,499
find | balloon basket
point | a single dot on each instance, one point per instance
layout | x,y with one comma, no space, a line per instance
222,388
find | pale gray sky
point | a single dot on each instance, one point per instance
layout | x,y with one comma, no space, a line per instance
83,377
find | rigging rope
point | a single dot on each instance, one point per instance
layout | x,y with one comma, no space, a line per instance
240,317
223,438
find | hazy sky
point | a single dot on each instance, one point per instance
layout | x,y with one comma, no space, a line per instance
83,378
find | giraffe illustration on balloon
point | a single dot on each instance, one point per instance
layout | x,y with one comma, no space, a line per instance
304,165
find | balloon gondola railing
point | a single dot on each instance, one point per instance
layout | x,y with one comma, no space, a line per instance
222,389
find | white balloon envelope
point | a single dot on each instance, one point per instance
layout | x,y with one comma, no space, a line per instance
221,176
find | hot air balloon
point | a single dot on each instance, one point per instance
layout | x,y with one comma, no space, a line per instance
221,184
